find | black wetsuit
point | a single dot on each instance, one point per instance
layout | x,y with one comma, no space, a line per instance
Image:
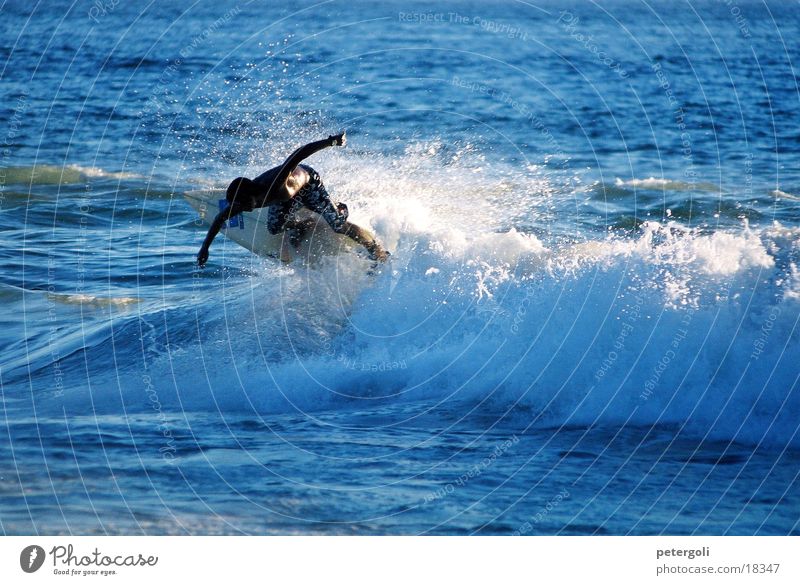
312,196
269,189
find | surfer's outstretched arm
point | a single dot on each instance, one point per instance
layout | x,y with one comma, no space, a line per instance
216,225
304,152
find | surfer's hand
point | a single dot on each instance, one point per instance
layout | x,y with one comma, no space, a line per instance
202,257
339,139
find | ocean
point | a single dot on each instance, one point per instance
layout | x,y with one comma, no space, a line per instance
588,325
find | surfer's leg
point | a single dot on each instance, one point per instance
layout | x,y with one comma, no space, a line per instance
366,239
281,219
280,214
297,230
316,198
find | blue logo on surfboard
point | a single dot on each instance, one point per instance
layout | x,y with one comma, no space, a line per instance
235,221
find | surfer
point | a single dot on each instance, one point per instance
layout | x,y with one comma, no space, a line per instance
286,189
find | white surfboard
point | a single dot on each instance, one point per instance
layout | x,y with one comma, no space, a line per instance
249,230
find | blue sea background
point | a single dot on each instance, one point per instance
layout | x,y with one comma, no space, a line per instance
589,324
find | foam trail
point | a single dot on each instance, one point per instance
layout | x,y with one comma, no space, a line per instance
672,327
44,174
688,328
665,185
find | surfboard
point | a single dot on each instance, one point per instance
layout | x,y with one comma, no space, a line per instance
249,230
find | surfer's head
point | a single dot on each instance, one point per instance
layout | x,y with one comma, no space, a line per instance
243,192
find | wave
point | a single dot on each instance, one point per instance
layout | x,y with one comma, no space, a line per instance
97,172
671,329
87,300
687,329
59,175
783,195
666,185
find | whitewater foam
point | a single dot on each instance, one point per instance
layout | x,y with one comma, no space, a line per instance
783,195
666,184
658,327
45,174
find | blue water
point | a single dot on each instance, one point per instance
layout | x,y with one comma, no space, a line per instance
588,325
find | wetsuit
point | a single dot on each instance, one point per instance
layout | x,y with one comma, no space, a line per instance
312,196
270,189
